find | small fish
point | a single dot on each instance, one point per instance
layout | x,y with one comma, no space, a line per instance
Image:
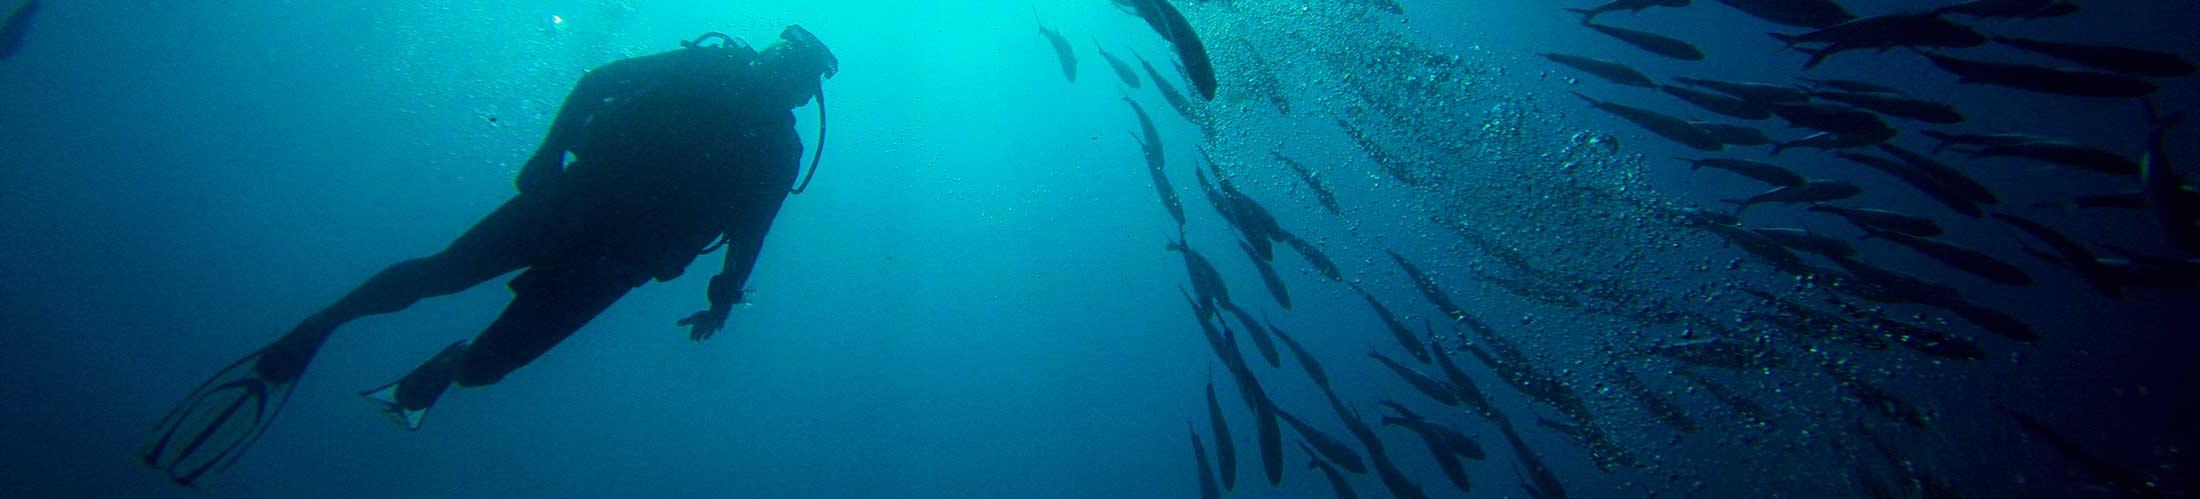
1183,106
1831,118
2010,8
2128,483
1898,106
1398,330
1122,69
2166,193
1757,245
1966,259
1155,161
1749,410
1435,390
1665,411
1207,488
1421,280
1322,194
1541,481
1261,340
1315,258
1897,287
1971,139
1394,480
1652,42
1884,220
1924,182
1722,104
1850,86
1993,321
1762,94
1438,439
1170,24
1720,353
2070,254
2063,153
1337,481
1877,399
1225,447
2126,60
1464,387
1902,29
1734,135
1608,70
1268,277
1926,340
1332,450
1835,141
1062,51
1955,180
1797,13
1807,241
1306,360
1206,281
1632,6
1756,170
1675,129
16,28
1814,191
2042,79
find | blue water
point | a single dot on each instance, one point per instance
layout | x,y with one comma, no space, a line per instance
973,300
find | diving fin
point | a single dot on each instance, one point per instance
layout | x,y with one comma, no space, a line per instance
218,422
408,399
385,401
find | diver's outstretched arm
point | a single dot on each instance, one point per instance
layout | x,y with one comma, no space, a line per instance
744,241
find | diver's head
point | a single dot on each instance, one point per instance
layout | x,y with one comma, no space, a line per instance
793,67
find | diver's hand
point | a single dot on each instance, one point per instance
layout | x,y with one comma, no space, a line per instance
540,171
703,324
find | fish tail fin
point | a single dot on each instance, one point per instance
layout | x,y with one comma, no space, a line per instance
1817,56
1739,205
1586,14
1592,101
1692,164
2158,121
1780,146
1789,40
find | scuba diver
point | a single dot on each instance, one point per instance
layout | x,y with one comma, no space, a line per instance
670,152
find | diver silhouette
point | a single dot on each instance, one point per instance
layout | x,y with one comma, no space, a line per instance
670,152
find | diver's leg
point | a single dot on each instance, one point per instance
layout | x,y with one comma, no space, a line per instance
506,240
546,311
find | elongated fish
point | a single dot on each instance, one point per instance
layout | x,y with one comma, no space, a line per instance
1207,283
1849,85
1394,480
1421,280
1268,276
1313,181
1756,170
1797,13
2127,482
1734,135
2070,254
1753,413
1956,181
1435,390
1306,359
1722,104
1261,341
1150,145
1652,42
1207,488
17,26
1634,6
1225,447
1165,20
1062,51
1762,94
2023,9
1898,106
1122,69
1675,129
1397,330
1831,118
1925,183
1463,386
1947,140
1883,220
1332,450
1814,191
2173,210
2126,60
1315,258
1432,437
1805,240
1337,482
2042,79
2069,154
1993,321
1720,353
1608,70
1835,141
1660,408
1169,93
1966,259
1902,29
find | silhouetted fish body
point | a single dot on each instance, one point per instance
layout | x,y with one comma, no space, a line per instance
1814,191
2065,154
1167,21
1397,330
1225,447
1966,259
1797,13
1675,129
1654,43
1905,29
1955,180
1635,6
1756,170
16,28
1970,139
1898,106
1661,408
1337,482
1322,194
1207,488
1122,69
1608,70
1807,241
1720,353
1762,94
2019,9
2124,60
2042,79
1850,86
1830,118
1332,450
1884,220
1924,182
1726,105
1062,51
2167,194
1734,135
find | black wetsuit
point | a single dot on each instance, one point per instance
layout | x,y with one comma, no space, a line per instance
671,152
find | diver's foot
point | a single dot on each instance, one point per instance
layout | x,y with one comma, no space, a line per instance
408,399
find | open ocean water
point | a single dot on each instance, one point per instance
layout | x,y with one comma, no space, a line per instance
976,299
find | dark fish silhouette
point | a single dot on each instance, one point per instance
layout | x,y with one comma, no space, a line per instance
1608,70
1832,118
2069,253
1421,280
2173,208
1207,284
1884,220
1396,168
1170,24
1337,481
1446,438
1797,13
1675,129
1925,340
1756,170
1306,359
1902,29
1956,181
1734,135
1877,399
2042,79
1463,387
1265,82
1835,141
1225,447
1266,434
1947,140
1122,69
1924,182
1394,480
1268,276
1717,103
1315,258
1807,241
1652,42
1397,330
1756,245
1814,191
1322,194
2124,481
1332,450
1435,390
2011,8
1634,6
1435,438
1755,414
1261,340
1169,93
1155,160
1664,410
1849,86
1541,481
17,26
1898,106
1898,287
1762,94
2063,153
1062,51
1207,488
1993,321
2126,60
1720,353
